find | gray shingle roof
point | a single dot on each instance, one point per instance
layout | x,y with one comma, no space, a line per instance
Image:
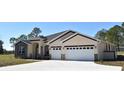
50,37
27,41
67,35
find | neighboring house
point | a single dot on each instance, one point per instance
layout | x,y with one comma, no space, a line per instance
121,48
67,45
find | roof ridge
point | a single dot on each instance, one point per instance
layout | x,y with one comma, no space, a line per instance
55,33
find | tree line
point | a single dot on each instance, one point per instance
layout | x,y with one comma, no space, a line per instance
34,33
113,35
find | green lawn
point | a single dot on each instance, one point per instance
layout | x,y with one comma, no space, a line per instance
6,60
113,63
120,53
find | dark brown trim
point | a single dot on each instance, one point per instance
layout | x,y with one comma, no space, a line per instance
109,51
80,35
35,40
61,36
88,37
78,45
55,46
21,41
69,38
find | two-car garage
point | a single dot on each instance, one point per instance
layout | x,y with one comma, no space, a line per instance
73,53
74,47
79,53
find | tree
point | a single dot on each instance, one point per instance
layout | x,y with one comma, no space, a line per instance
122,24
115,35
36,31
22,37
1,47
101,34
30,36
12,41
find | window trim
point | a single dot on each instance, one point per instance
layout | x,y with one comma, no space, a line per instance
21,50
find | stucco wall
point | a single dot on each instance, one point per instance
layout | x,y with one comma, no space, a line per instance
103,47
31,48
30,51
80,40
77,40
17,54
109,56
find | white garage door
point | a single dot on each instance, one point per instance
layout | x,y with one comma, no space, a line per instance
55,53
80,53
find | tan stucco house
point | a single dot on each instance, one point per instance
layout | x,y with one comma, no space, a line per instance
66,45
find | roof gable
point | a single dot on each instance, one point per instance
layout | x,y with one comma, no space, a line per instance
63,35
24,41
50,37
80,35
66,35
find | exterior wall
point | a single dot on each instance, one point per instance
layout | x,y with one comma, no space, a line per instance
77,40
80,40
17,54
30,51
109,56
100,47
41,48
99,51
106,51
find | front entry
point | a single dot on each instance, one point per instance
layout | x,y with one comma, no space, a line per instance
35,51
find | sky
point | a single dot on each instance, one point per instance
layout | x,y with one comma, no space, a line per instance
15,29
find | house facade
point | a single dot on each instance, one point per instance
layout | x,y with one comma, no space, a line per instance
66,45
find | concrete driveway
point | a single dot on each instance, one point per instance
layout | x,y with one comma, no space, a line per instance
57,65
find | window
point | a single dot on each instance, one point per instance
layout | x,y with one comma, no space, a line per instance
53,48
59,48
80,47
67,48
87,47
91,48
21,49
73,48
84,48
56,48
70,48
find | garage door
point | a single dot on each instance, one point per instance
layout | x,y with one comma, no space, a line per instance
55,53
80,53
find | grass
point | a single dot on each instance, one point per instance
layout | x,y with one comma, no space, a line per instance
111,63
6,60
120,53
114,63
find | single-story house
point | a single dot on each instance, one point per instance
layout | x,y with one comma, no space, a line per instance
66,45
